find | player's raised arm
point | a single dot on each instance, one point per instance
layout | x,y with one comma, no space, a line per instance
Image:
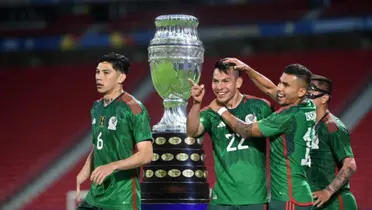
244,129
194,127
262,82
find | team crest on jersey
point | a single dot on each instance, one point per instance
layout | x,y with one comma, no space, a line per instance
112,123
102,121
250,118
94,121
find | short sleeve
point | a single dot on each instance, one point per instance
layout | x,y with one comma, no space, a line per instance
141,126
205,120
275,124
266,110
340,143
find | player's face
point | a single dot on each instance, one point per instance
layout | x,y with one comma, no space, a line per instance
107,78
290,90
225,86
319,98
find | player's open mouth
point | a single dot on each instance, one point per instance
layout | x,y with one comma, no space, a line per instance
280,95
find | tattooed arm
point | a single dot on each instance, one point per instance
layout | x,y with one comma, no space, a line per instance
245,130
348,168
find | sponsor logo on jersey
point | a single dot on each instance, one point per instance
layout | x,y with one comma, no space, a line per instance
112,123
221,125
94,121
189,141
250,118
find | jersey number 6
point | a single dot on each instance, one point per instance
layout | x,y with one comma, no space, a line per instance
99,141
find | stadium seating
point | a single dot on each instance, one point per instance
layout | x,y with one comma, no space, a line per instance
361,143
331,64
47,110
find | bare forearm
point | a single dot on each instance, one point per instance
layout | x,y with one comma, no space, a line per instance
193,120
262,82
88,163
136,160
342,177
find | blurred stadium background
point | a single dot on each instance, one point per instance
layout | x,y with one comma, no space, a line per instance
47,64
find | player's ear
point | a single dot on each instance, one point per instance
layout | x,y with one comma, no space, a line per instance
239,82
122,78
325,99
302,92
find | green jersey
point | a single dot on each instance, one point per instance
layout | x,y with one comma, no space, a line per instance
330,147
116,129
239,163
292,130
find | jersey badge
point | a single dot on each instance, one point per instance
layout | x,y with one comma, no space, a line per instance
250,118
112,123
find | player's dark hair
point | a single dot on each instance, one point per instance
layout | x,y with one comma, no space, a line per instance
323,83
224,67
119,62
300,71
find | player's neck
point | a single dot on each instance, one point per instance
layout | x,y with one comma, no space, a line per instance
320,112
235,101
109,97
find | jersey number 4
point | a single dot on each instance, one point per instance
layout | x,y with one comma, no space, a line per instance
240,146
99,141
309,139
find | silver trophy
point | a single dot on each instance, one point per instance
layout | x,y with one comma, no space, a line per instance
175,54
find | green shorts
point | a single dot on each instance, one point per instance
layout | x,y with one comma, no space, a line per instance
287,205
240,207
86,206
344,201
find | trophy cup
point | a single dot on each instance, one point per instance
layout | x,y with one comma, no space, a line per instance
177,173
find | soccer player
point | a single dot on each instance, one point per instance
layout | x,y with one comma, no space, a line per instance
120,123
332,157
291,129
239,163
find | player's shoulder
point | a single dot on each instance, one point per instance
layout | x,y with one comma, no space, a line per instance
131,103
333,124
249,99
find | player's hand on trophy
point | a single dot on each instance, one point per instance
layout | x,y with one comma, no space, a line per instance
80,179
100,173
197,91
215,106
239,65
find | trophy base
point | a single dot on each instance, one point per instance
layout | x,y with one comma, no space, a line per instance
177,173
162,128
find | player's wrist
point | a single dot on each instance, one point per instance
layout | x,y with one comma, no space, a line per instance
221,110
114,166
330,190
